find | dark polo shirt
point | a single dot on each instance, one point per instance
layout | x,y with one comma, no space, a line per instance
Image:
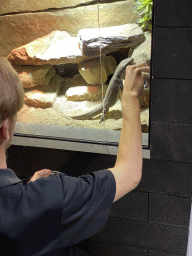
51,215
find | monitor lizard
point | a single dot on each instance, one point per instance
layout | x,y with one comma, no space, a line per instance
111,95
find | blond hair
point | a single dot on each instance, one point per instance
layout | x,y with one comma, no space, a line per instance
11,91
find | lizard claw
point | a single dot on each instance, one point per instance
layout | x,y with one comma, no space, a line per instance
102,118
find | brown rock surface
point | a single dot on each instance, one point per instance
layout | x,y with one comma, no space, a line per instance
144,99
109,39
56,48
20,29
142,52
44,96
86,92
12,6
91,70
145,119
33,76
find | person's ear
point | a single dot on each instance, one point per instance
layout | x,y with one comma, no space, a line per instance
4,130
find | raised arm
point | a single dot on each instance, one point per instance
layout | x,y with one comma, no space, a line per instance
128,166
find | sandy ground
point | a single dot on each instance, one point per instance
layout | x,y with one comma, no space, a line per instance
61,111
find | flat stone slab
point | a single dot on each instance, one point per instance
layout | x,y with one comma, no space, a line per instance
56,48
109,39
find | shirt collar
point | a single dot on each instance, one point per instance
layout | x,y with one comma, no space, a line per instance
7,178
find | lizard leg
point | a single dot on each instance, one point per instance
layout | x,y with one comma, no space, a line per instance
121,85
103,114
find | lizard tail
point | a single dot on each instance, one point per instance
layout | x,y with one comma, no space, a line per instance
90,114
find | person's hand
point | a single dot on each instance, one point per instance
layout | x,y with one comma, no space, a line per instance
39,174
135,77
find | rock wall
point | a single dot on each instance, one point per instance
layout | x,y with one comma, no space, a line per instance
23,21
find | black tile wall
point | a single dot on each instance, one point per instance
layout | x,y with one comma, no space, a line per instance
173,13
171,141
171,104
133,206
166,177
172,52
154,253
171,101
27,160
163,238
18,160
98,248
171,210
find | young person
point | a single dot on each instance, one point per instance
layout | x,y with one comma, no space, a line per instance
52,213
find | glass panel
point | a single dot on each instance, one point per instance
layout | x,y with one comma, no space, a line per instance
71,57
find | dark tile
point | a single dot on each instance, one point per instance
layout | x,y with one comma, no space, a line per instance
143,235
174,13
133,206
97,248
100,162
73,163
164,209
18,160
171,101
171,52
166,177
41,158
27,160
155,253
171,141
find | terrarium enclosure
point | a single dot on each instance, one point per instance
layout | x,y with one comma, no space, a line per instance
71,57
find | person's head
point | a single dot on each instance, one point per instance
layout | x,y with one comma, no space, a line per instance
11,100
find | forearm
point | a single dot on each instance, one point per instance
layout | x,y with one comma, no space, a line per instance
129,156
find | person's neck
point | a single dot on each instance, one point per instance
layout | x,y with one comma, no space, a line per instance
3,162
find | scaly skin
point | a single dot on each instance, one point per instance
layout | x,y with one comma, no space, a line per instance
111,95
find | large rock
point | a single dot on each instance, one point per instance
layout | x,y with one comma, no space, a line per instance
79,90
144,98
56,48
144,114
12,6
33,76
88,92
109,39
91,70
20,29
112,124
142,52
44,96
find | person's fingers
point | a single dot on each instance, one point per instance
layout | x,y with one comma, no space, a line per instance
145,75
44,172
39,174
139,65
145,69
138,69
